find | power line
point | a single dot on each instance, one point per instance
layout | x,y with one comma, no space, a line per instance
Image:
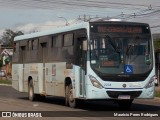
73,3
156,26
48,4
61,5
45,6
91,2
143,13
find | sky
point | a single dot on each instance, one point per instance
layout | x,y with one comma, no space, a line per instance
37,15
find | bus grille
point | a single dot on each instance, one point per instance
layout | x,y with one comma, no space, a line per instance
115,94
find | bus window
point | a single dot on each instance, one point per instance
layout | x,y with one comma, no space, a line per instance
53,41
68,40
58,41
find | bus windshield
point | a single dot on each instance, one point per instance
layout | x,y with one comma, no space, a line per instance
121,50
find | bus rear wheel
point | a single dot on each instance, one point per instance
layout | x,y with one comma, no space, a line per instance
31,94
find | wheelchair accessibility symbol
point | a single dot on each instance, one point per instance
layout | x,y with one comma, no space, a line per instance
128,69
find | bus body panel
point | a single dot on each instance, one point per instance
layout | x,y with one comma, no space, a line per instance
54,76
15,76
17,73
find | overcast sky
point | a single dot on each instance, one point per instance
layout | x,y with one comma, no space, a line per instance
38,15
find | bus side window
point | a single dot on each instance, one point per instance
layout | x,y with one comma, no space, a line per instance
58,42
53,41
14,47
23,48
35,49
16,56
32,44
68,46
17,47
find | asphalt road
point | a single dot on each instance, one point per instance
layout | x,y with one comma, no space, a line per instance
12,100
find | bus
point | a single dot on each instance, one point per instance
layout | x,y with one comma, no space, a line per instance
101,60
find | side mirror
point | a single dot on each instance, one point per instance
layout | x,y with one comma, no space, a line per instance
85,45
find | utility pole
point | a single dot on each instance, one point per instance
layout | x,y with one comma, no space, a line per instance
87,18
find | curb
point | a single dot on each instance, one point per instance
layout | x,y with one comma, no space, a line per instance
157,99
5,85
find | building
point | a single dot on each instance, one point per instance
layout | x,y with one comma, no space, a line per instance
6,58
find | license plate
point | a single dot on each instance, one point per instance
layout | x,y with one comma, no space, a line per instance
124,97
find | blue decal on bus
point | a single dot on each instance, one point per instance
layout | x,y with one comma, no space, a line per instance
128,69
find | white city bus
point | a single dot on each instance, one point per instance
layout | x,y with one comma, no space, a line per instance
107,60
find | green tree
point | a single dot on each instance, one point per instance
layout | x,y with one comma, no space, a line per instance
157,44
8,37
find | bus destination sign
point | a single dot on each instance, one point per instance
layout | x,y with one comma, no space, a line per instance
119,29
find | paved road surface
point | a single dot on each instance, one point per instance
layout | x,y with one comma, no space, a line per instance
11,100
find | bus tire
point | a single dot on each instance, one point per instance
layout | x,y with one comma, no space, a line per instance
39,97
66,95
31,94
72,102
125,104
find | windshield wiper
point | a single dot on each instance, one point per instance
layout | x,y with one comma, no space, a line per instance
134,41
112,44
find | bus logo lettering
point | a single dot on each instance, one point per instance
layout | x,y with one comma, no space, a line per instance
124,85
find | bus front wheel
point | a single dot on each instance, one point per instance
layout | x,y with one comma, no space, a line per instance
69,99
66,95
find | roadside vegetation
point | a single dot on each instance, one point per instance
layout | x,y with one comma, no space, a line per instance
157,94
5,81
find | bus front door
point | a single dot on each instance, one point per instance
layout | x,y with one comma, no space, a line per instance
82,64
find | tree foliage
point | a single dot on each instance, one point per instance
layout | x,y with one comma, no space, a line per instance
8,36
157,44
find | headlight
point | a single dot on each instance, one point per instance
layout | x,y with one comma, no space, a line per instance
95,82
151,82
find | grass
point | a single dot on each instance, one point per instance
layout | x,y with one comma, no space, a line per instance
157,94
5,82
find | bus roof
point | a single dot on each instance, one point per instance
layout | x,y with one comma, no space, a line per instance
53,31
67,28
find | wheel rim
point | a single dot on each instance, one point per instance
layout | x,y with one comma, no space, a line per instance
66,96
71,99
30,92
